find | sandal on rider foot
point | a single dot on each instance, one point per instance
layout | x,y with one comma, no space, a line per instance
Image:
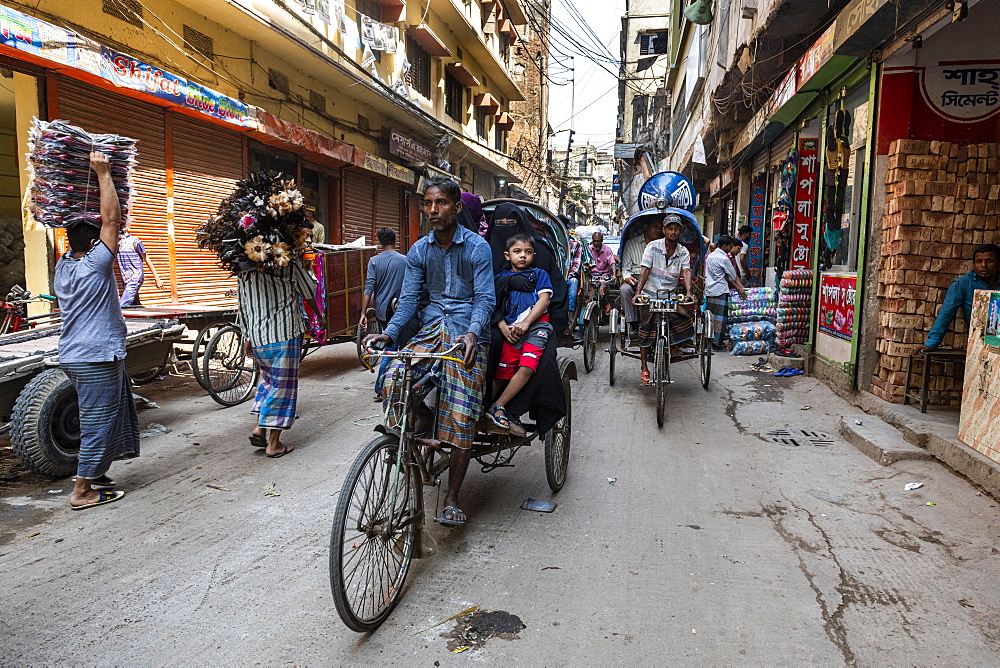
516,429
258,441
645,379
450,521
499,420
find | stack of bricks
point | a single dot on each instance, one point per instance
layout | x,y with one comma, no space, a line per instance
942,201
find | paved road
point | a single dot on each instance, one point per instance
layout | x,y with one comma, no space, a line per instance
713,545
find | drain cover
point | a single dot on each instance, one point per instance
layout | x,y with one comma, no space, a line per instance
797,436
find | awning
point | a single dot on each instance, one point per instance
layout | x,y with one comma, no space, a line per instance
282,134
504,121
462,74
425,37
488,102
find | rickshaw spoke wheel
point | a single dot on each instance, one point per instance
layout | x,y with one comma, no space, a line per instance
706,350
661,376
230,374
557,443
374,531
590,344
613,346
372,328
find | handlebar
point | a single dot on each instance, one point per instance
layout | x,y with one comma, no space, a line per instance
452,353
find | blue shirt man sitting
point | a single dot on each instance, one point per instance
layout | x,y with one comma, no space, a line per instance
984,274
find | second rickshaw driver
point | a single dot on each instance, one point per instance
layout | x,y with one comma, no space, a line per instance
448,285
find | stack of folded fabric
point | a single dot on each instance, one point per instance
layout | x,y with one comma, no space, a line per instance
794,303
759,305
64,190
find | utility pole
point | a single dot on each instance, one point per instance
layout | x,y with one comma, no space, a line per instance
565,183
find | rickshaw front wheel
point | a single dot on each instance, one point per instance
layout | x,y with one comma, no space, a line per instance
662,377
557,441
705,357
590,343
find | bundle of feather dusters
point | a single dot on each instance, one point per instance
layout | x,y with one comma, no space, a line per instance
261,225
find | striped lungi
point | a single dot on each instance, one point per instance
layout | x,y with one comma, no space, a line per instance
718,307
109,425
681,326
460,390
278,391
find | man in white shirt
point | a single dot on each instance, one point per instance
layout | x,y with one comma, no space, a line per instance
742,260
719,276
631,257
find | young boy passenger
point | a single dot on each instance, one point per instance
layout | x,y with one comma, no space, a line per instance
523,294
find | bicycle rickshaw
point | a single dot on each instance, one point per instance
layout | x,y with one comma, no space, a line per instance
379,523
700,343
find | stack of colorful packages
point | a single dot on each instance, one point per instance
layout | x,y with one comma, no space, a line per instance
793,307
64,190
752,338
759,305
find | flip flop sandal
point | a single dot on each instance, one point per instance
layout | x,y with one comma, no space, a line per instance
105,497
516,428
448,522
285,450
258,441
794,372
645,379
101,482
502,420
783,371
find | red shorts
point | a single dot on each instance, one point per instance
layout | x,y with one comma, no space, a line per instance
512,357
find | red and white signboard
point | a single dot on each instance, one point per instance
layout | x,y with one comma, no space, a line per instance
804,210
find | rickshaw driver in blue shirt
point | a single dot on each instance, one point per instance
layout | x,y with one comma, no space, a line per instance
665,262
449,286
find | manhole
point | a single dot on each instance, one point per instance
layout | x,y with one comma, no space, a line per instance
797,437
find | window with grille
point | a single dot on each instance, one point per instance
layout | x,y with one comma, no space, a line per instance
369,8
500,141
652,43
419,76
129,11
481,122
199,43
454,98
317,101
277,80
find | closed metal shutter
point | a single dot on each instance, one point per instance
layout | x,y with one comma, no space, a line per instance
759,163
97,110
359,207
780,147
389,210
207,163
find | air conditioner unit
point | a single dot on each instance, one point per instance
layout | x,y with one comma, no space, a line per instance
749,9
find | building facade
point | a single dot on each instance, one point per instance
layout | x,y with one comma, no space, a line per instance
358,101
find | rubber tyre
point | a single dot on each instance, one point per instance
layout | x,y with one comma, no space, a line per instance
45,426
590,344
661,376
241,387
382,446
705,358
205,335
613,352
148,376
557,443
372,328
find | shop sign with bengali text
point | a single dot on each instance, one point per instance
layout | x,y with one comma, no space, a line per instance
26,33
804,210
758,202
836,305
964,92
399,173
408,149
373,163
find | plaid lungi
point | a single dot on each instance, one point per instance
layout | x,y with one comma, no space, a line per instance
109,425
278,391
718,307
460,390
681,326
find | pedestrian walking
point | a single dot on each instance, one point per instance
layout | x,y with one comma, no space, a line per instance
92,347
382,285
131,258
719,276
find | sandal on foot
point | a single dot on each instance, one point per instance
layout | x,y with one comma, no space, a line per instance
645,379
517,429
100,482
449,521
285,449
499,420
103,497
258,441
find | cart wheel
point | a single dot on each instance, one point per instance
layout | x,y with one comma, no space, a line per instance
705,358
557,440
372,328
590,344
613,348
205,335
231,375
45,426
661,373
148,376
374,531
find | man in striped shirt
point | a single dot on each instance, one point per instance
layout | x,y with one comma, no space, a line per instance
272,319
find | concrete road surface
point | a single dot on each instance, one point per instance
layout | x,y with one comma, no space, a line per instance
712,545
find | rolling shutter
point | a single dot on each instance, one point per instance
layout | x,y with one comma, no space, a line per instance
358,199
780,147
759,163
389,210
97,110
207,163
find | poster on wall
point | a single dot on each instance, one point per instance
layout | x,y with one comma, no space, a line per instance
755,251
804,211
991,335
836,305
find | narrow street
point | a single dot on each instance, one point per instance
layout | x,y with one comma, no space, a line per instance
703,542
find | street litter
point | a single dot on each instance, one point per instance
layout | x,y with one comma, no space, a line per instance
912,485
154,429
694,631
55,491
931,503
858,422
460,649
731,560
826,496
222,489
612,481
365,419
269,490
32,535
551,568
806,408
143,402
467,611
538,506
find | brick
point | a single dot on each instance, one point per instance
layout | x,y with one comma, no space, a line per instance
922,162
910,146
906,292
911,232
909,188
940,188
932,249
